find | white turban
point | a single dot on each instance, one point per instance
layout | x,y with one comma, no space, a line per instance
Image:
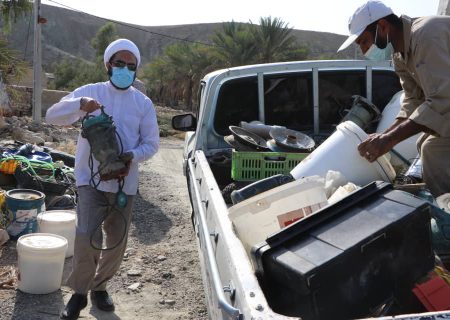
120,45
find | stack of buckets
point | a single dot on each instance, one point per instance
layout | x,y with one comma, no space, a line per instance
40,255
340,153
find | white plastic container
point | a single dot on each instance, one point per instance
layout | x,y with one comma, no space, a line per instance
340,153
342,192
256,218
407,148
60,222
443,202
41,262
259,128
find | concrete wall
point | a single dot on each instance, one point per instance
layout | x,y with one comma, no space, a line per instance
50,97
21,99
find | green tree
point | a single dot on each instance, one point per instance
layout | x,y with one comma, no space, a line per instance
235,45
71,74
274,41
13,9
11,67
175,75
104,36
270,41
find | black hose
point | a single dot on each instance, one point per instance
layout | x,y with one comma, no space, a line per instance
110,207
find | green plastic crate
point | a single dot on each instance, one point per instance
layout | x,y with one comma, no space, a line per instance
252,166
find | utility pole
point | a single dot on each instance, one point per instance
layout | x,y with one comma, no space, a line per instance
444,7
37,65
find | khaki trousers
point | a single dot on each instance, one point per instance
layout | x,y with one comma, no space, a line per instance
435,154
92,268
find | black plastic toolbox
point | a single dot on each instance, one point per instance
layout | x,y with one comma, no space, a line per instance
349,258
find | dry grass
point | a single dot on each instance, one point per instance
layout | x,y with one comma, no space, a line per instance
70,146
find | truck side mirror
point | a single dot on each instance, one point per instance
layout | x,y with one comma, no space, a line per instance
184,122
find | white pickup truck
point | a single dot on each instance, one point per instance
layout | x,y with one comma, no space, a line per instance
306,96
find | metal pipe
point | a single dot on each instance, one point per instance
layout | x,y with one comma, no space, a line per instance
261,112
315,74
37,65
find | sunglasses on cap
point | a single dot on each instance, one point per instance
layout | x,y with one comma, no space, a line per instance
123,64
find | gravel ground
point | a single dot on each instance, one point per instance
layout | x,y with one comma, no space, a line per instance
160,275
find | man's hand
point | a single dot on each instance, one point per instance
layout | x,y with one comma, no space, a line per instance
375,146
126,157
89,105
378,144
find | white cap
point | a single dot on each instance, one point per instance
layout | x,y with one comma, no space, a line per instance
365,15
121,45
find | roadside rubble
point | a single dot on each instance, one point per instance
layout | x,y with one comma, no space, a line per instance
32,146
8,277
42,134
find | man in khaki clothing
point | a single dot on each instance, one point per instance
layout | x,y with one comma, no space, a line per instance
421,55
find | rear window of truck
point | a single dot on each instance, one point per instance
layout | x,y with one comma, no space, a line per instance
288,98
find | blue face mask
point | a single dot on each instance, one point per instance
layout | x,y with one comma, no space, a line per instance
122,78
376,54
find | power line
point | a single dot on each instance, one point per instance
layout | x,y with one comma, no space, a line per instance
26,43
28,35
131,26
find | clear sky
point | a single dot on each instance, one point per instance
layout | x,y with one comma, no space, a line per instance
316,15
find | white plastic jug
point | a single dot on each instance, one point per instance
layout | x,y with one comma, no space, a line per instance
60,222
340,153
41,262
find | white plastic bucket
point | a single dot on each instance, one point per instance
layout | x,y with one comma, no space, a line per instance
340,153
60,222
407,148
256,218
41,262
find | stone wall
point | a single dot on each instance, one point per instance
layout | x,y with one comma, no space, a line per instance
21,100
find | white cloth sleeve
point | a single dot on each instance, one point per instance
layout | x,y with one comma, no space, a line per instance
149,137
66,111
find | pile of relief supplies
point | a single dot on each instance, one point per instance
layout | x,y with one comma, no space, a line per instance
31,168
320,217
287,189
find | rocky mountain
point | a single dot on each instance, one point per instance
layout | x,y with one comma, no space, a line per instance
68,33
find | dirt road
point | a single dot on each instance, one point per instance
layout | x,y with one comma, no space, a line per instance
160,275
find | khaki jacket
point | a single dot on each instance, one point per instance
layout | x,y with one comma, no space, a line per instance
424,72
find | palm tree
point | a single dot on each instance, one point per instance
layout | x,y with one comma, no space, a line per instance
273,38
13,9
11,67
176,74
235,45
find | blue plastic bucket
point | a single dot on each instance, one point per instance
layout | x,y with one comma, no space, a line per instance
23,206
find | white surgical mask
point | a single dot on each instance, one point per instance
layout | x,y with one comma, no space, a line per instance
376,54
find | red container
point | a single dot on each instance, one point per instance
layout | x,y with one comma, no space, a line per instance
434,294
